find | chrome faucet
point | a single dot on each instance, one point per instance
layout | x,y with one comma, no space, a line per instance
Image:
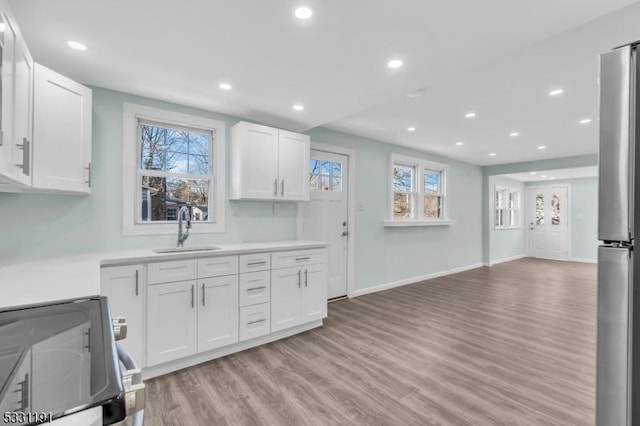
183,214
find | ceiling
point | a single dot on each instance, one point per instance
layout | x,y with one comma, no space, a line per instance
498,58
555,174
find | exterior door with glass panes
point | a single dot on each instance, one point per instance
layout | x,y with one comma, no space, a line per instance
324,217
547,220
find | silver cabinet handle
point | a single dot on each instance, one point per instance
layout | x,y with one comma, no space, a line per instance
299,278
257,263
275,187
192,295
256,321
137,292
282,188
306,278
202,294
88,169
257,288
25,146
303,258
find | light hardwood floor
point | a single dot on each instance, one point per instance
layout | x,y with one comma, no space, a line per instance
509,345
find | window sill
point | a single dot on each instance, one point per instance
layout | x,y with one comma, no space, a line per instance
168,229
408,223
506,228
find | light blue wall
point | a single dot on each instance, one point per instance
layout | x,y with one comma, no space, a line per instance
37,224
385,255
528,166
56,224
584,217
505,243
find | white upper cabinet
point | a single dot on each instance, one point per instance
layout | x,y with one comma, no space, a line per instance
45,122
61,133
268,163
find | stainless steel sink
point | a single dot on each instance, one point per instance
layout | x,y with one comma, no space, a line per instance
185,249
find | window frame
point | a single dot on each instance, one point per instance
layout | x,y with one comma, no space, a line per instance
420,166
509,212
132,113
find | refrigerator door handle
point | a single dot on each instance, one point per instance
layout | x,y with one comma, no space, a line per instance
615,288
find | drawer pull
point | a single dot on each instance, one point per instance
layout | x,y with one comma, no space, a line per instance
257,263
303,258
256,321
257,288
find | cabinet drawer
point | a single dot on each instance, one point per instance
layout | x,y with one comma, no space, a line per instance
217,266
255,262
288,259
175,270
255,288
255,321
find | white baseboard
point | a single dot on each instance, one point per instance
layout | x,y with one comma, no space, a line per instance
575,259
387,286
506,259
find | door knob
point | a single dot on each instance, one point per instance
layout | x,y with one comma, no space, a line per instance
345,233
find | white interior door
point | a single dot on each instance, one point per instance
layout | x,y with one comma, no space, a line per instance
325,216
548,222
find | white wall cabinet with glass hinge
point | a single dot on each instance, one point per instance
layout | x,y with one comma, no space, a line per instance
269,163
45,122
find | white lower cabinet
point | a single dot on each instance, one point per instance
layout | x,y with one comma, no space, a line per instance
125,287
171,321
298,295
217,312
179,308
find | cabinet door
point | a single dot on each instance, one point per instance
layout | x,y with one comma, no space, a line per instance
314,293
285,298
293,166
254,162
7,168
171,321
22,111
125,288
61,132
217,312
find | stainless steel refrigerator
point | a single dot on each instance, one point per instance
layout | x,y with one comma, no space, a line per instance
618,353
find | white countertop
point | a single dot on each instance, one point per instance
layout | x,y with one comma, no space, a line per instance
37,280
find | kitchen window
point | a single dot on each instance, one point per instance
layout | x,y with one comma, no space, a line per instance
507,207
172,160
418,192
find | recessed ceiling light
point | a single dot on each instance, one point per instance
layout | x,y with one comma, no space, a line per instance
394,63
544,176
556,92
585,121
532,173
411,129
514,134
298,107
459,143
3,27
493,154
225,86
541,147
76,45
470,114
551,178
303,12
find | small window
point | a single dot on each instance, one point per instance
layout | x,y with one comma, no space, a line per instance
506,207
325,175
539,210
172,160
417,189
555,210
